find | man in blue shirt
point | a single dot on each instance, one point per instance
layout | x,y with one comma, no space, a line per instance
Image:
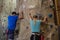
35,27
12,19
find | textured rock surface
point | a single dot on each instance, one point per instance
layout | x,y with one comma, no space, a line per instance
43,9
6,7
30,6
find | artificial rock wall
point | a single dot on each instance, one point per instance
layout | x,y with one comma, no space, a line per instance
34,7
8,6
27,6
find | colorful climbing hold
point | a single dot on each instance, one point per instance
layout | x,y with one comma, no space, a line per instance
50,15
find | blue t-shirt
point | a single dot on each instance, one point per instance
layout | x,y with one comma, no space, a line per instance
35,26
12,22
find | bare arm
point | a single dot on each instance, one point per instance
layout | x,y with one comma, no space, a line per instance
30,16
45,18
21,15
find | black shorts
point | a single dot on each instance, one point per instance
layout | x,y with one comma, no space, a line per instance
35,36
10,35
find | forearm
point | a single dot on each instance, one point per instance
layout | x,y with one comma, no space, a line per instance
30,16
45,19
21,16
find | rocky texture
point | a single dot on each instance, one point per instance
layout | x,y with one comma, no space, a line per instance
34,7
6,7
27,6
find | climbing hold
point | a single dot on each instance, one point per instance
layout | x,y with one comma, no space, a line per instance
47,30
47,38
53,34
4,20
52,6
18,23
51,26
4,32
56,29
46,19
50,15
40,30
27,27
17,32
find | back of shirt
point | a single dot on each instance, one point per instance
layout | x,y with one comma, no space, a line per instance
35,25
12,22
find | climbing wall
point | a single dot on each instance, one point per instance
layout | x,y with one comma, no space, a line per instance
1,28
34,7
27,7
6,7
37,7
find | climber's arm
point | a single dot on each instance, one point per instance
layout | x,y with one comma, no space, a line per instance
45,18
30,16
21,16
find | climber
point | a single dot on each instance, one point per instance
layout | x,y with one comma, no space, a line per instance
12,19
35,27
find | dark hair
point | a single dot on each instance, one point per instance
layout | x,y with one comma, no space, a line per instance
13,13
35,16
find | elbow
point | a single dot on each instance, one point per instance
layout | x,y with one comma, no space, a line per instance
21,18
